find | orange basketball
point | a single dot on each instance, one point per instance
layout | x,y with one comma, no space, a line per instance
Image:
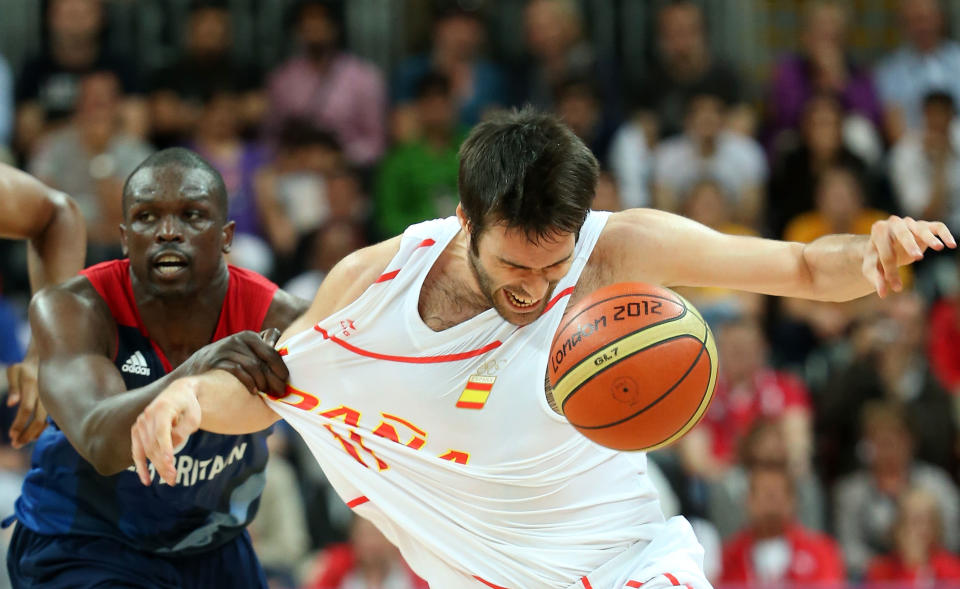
633,366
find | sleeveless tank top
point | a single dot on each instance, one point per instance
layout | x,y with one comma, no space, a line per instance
445,440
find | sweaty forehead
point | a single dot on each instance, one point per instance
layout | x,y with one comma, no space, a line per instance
171,181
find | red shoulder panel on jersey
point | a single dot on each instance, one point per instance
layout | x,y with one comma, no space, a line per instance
409,359
249,296
111,280
393,273
357,501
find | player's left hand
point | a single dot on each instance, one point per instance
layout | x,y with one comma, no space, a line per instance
165,423
31,418
896,242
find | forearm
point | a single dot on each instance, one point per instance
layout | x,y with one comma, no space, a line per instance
226,406
57,252
103,438
833,267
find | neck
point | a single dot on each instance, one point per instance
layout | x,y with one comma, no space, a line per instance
706,145
437,139
182,324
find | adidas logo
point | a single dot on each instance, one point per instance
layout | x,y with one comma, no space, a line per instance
136,364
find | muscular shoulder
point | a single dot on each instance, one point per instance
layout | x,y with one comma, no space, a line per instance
360,269
349,278
70,310
631,246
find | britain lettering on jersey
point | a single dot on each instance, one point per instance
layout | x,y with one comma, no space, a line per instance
192,470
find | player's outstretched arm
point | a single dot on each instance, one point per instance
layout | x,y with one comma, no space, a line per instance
57,242
49,219
84,391
675,251
216,402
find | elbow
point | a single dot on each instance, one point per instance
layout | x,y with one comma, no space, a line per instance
100,451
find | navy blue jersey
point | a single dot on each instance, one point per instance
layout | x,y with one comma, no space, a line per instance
219,478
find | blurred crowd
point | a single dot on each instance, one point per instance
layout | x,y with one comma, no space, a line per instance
830,455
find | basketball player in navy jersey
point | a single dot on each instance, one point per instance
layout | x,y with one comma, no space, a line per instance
57,239
109,341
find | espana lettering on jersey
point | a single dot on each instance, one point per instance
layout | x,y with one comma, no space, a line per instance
192,470
390,427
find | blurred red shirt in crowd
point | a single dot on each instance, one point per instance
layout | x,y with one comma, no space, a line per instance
774,550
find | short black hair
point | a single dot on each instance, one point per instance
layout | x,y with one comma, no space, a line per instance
185,158
526,170
939,98
433,83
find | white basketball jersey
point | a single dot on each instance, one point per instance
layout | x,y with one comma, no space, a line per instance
446,442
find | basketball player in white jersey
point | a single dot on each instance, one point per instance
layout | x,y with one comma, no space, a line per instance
417,376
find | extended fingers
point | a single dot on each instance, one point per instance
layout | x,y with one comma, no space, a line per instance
883,242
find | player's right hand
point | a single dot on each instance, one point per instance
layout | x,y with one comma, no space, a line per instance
249,357
165,423
31,416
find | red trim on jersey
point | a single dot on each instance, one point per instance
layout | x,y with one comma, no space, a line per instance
488,583
470,405
285,351
558,296
393,273
358,501
632,583
672,579
409,359
586,582
387,276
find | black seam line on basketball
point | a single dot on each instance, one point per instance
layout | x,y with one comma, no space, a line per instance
652,296
658,399
706,338
607,345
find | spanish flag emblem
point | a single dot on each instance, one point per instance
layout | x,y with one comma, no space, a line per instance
474,396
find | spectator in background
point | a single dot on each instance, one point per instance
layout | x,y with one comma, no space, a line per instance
927,61
925,164
331,88
839,209
749,389
90,158
943,335
578,105
178,91
48,88
823,66
477,84
323,248
418,179
683,69
631,163
706,149
291,190
764,446
865,501
6,110
279,532
707,203
367,561
888,363
555,40
918,558
774,550
797,171
607,197
217,139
